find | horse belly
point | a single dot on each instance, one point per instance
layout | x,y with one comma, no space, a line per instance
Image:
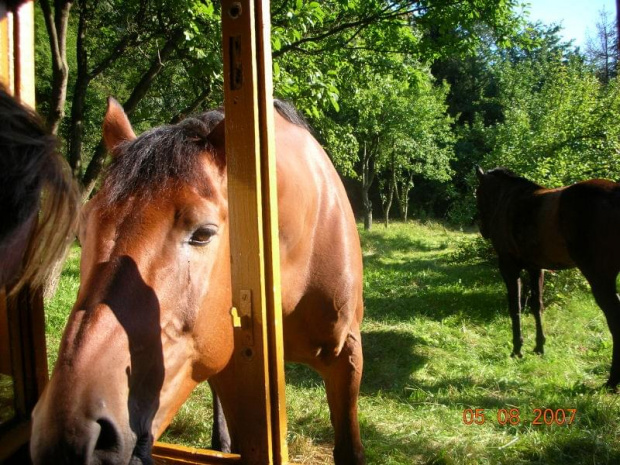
553,252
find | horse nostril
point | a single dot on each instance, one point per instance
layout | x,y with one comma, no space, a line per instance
108,439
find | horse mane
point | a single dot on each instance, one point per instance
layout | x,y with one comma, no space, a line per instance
170,152
514,179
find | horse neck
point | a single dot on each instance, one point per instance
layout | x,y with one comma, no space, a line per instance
502,217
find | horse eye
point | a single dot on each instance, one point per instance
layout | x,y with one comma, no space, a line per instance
203,235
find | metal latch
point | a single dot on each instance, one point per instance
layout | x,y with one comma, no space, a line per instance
242,317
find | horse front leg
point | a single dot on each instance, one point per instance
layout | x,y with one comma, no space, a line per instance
510,273
342,375
220,437
537,278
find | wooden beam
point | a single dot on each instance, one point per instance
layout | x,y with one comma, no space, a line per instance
6,48
24,53
13,437
171,454
252,199
23,318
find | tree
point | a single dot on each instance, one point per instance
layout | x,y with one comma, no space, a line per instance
560,123
57,23
602,50
162,60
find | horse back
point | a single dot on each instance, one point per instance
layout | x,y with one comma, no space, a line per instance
320,252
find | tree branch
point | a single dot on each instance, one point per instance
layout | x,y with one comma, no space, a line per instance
56,23
361,23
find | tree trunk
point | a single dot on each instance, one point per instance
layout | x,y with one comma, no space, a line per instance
84,77
95,166
617,33
402,197
368,175
367,209
390,195
56,23
76,131
388,207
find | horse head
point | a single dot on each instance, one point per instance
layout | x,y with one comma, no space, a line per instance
483,201
155,287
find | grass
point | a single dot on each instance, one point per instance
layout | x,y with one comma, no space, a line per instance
437,341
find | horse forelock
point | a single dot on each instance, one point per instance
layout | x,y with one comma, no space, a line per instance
144,164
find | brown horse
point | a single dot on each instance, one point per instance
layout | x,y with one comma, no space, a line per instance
38,199
534,228
152,316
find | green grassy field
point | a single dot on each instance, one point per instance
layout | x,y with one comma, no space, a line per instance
437,342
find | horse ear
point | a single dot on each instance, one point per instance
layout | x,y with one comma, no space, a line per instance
217,137
479,172
116,126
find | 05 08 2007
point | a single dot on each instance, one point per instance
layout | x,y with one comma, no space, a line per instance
513,416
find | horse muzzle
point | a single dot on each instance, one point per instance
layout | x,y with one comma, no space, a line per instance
69,436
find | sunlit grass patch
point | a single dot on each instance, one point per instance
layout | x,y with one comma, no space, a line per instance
437,341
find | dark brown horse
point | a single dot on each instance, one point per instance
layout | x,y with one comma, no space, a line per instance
38,199
152,317
533,228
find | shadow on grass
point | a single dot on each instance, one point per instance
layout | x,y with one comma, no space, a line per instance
378,445
433,284
434,288
390,359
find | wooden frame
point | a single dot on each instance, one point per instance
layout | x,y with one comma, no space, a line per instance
255,257
258,357
23,319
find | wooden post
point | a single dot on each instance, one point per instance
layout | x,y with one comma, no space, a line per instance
22,314
255,259
24,53
6,48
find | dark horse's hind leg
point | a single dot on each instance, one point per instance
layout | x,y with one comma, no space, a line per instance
220,437
537,279
604,291
510,272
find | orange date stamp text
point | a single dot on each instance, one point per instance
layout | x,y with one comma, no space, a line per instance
513,416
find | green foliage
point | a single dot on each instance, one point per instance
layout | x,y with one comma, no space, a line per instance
473,250
560,123
539,110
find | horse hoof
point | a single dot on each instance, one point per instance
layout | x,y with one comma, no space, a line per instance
355,457
516,355
539,351
611,387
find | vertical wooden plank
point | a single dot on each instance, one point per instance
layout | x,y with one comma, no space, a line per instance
245,218
26,320
5,80
272,249
6,48
5,347
24,53
253,217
